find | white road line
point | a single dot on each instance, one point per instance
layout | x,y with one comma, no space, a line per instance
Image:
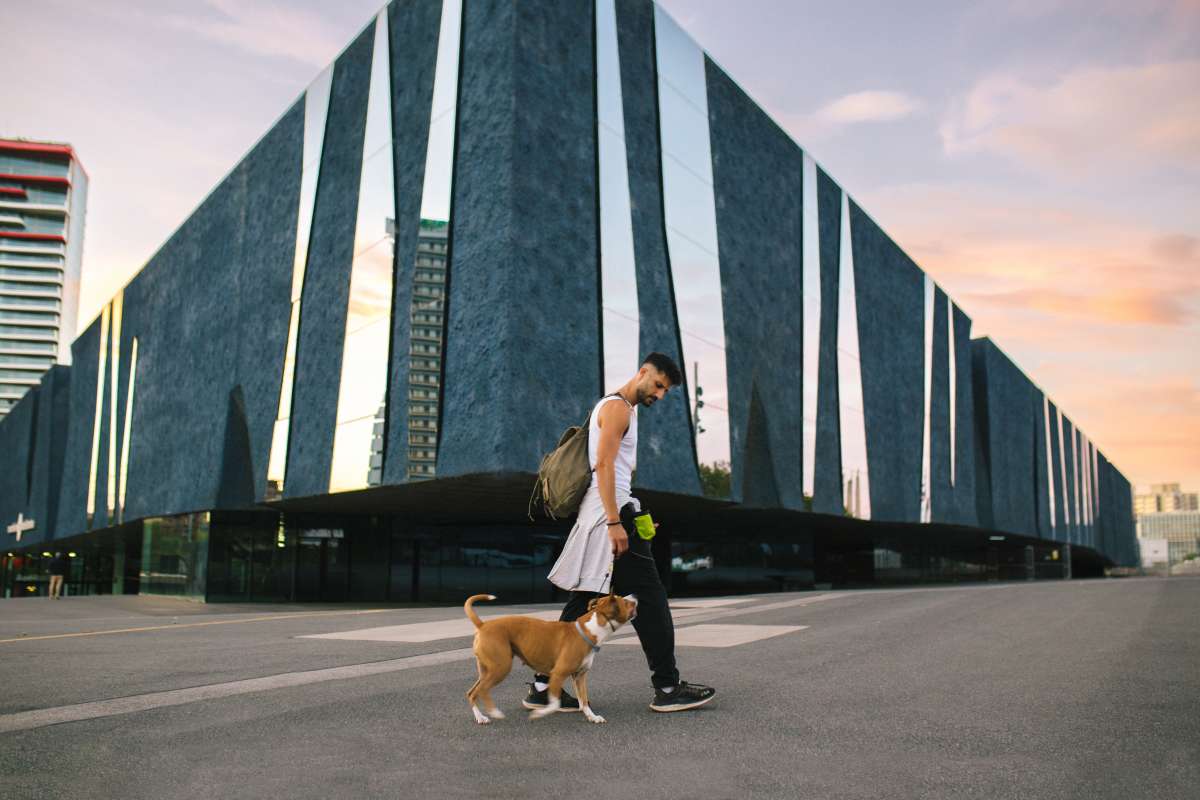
727,635
27,720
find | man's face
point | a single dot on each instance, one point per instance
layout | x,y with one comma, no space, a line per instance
652,385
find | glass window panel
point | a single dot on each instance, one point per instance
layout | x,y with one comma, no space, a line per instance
1074,482
689,143
175,556
926,457
953,387
811,289
363,388
133,356
692,231
855,476
427,309
1049,464
1062,466
102,360
316,110
114,381
44,317
702,334
679,59
617,266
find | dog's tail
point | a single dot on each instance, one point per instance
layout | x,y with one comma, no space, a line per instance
471,615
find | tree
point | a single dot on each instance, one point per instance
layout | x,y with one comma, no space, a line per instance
715,479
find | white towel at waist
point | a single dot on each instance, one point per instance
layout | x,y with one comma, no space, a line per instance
586,560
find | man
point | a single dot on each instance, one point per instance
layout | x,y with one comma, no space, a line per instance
605,539
59,566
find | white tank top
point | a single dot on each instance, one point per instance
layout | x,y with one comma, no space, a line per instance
626,461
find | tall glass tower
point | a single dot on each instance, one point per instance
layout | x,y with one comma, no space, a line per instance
43,196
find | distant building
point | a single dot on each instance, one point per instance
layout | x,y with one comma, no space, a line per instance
1180,529
43,196
1165,497
425,351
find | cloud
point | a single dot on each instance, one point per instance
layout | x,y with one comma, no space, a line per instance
263,28
1092,118
867,106
1124,306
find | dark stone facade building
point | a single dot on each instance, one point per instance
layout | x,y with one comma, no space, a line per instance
335,380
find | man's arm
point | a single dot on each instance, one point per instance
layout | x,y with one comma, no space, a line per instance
613,421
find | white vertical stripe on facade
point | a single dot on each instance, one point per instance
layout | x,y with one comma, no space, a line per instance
856,482
316,111
125,436
101,369
811,309
953,388
618,274
926,489
118,304
355,463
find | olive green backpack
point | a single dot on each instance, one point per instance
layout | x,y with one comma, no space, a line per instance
564,475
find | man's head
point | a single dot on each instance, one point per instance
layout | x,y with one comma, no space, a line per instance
657,374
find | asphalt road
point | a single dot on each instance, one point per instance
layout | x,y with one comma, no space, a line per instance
1047,690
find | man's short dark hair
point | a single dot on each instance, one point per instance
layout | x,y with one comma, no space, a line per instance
666,366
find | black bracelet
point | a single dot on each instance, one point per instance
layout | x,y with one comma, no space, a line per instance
618,522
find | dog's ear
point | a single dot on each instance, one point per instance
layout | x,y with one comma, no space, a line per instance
592,604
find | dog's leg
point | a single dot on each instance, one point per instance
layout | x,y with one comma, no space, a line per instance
490,680
555,693
581,689
473,693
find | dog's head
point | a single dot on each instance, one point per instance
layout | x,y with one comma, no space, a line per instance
614,608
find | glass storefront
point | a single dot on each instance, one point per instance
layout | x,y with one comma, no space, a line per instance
263,556
175,556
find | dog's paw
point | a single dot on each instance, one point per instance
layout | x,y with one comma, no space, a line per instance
496,713
537,714
480,717
596,718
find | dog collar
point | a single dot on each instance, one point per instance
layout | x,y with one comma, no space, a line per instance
595,647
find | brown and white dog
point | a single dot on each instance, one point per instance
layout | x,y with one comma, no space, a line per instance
557,649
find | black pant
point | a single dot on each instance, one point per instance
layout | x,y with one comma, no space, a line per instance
635,573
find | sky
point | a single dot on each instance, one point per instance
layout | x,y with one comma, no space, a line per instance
1040,159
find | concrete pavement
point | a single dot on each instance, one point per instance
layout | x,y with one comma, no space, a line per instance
1079,689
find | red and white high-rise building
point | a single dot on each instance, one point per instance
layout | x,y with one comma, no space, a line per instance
43,197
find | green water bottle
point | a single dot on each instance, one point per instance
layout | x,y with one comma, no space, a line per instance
645,526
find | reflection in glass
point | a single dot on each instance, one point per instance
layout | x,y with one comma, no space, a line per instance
175,556
100,373
427,312
1086,477
856,484
926,457
316,109
1075,497
952,391
363,388
1062,467
1049,462
117,305
691,224
618,278
811,291
133,357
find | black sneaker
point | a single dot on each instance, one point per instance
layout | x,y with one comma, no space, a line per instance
536,699
686,695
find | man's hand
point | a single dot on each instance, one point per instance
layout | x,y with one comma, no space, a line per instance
619,539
